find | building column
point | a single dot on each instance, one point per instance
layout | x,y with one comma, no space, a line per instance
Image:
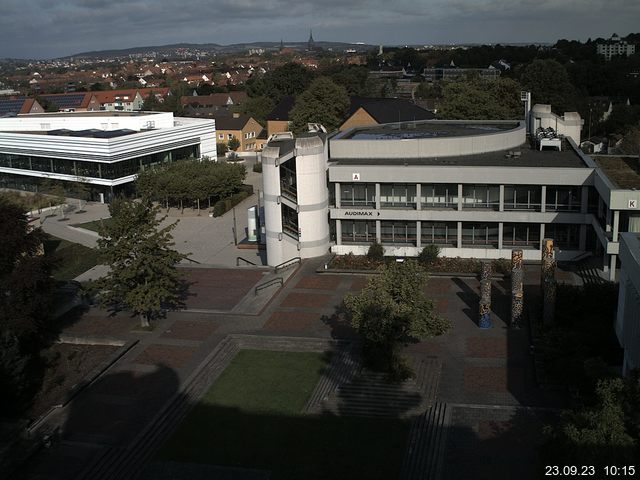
501,206
612,268
543,200
338,232
459,235
616,224
608,219
378,232
418,197
584,200
500,233
542,237
377,196
583,238
337,195
459,200
419,234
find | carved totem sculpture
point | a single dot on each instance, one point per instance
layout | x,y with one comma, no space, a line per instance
548,282
485,295
517,288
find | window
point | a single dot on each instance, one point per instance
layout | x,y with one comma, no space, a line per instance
221,136
564,236
521,235
440,195
358,231
480,235
481,196
290,222
522,197
358,195
288,180
563,199
439,233
395,232
397,195
229,136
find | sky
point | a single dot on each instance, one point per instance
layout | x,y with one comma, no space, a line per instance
55,28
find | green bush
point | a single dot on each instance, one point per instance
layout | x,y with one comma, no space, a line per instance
226,204
257,167
429,254
376,252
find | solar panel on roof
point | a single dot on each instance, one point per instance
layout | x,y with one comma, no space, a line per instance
11,105
65,101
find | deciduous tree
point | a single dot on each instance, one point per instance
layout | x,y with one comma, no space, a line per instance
323,102
143,276
478,99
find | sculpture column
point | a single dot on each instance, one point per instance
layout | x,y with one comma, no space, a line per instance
548,282
517,288
485,295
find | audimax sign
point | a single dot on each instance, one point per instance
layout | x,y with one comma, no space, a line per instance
361,213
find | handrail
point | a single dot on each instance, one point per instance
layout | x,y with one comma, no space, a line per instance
244,260
287,264
192,260
268,283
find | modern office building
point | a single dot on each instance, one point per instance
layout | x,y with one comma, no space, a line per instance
473,188
628,315
103,149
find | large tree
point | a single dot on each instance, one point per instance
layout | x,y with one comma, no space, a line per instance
480,99
288,79
549,83
393,310
143,276
323,102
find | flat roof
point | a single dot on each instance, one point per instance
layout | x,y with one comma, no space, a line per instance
100,113
428,129
529,157
624,172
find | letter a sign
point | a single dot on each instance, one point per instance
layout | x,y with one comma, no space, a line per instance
355,177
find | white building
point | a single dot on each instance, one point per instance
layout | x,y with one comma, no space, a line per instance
615,46
104,149
476,189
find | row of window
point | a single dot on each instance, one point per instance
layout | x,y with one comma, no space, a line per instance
88,169
516,197
446,234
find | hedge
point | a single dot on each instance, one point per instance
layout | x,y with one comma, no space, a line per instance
223,206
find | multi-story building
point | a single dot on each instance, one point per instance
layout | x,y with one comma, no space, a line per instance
476,189
242,127
103,149
628,315
615,46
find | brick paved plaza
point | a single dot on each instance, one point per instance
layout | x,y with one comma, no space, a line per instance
485,376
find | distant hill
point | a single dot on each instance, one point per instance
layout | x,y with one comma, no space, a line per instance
214,47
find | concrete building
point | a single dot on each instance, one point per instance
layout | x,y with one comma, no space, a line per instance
615,46
476,189
103,149
628,315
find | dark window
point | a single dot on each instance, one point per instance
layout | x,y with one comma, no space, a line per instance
439,195
521,235
522,197
481,196
394,232
439,233
480,234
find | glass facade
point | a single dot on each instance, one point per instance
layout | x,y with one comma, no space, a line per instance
481,196
399,195
521,235
397,232
358,231
288,180
480,235
439,233
441,195
290,222
563,199
523,197
89,169
358,195
565,236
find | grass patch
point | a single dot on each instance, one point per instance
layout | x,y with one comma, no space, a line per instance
71,259
252,418
94,225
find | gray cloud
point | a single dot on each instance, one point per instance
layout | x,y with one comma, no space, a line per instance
48,28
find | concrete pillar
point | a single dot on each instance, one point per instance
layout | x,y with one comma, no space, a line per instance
419,234
543,200
378,232
616,224
377,196
500,233
459,197
337,193
584,200
612,268
542,225
501,205
459,234
418,196
338,232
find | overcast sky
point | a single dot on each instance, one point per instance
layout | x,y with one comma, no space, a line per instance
53,28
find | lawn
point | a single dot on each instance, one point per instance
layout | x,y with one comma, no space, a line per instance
71,259
94,225
252,418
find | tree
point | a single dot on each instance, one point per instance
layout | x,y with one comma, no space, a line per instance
143,275
631,142
289,79
234,144
393,310
323,102
479,99
258,108
549,83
